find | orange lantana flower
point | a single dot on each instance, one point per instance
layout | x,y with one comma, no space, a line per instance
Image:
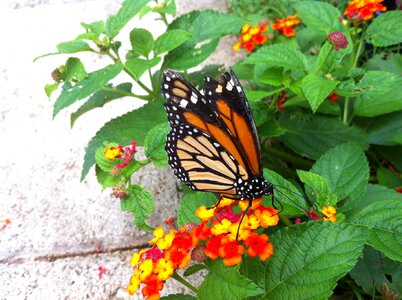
250,36
363,10
286,26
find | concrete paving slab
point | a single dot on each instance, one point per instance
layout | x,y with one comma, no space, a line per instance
48,251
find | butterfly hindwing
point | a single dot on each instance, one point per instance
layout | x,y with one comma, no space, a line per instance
198,159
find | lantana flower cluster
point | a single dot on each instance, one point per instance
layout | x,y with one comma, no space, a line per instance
214,238
126,153
250,36
287,25
363,10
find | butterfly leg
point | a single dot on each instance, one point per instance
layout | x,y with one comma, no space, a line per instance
273,202
250,203
219,201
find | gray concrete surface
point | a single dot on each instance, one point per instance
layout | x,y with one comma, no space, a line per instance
48,251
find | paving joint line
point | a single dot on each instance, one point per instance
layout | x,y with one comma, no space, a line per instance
54,257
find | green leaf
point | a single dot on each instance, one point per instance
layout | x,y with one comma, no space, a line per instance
142,41
317,89
189,204
74,70
385,62
319,16
170,40
317,188
328,58
267,75
50,88
260,112
271,130
128,10
73,46
132,126
383,220
138,66
95,27
285,192
309,259
100,98
205,27
383,129
386,29
105,179
254,269
380,94
373,193
308,39
140,203
393,154
226,283
155,145
101,161
85,87
313,137
279,56
346,169
372,270
169,8
194,269
178,297
388,178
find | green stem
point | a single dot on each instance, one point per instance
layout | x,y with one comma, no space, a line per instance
163,16
346,110
115,60
184,282
288,157
354,64
124,93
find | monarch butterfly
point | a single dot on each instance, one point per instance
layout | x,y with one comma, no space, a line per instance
213,144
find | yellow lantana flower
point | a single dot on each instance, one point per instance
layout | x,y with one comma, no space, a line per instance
205,214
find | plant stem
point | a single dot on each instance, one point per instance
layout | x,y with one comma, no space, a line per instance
184,282
354,64
124,93
115,60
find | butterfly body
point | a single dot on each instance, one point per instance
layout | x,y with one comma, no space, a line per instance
213,145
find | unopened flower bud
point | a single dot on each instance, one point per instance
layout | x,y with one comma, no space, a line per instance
338,40
198,254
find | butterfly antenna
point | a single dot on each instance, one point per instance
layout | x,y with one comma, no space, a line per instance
250,203
294,202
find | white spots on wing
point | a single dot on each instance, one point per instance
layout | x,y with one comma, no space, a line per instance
167,96
208,79
195,130
194,98
229,87
238,87
202,92
183,103
218,89
174,108
216,145
168,78
210,93
166,86
203,100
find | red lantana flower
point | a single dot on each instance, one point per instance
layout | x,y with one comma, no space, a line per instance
257,245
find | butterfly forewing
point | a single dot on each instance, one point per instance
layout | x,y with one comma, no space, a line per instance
233,108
